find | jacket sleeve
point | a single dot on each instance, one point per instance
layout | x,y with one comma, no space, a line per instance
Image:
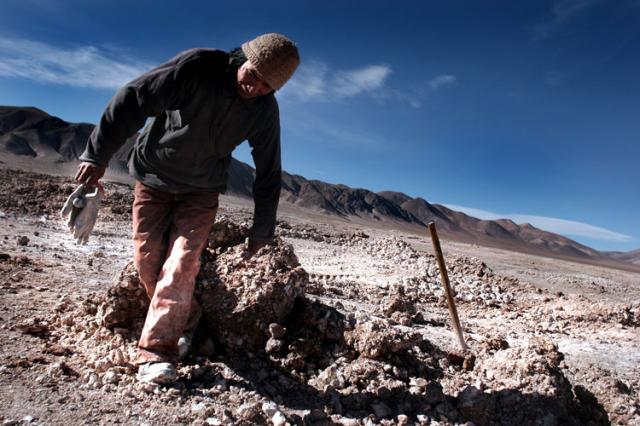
162,88
266,188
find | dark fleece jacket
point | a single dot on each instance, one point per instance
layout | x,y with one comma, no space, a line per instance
196,120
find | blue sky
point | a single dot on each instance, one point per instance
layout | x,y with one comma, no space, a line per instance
528,110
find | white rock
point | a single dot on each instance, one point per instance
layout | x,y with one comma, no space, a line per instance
110,377
278,419
55,369
269,408
103,365
94,381
346,421
198,406
118,357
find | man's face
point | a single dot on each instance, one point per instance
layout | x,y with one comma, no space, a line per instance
250,84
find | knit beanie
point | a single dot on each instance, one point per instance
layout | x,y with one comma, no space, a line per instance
274,56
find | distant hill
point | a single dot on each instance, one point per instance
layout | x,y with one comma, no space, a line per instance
342,200
31,133
632,257
34,133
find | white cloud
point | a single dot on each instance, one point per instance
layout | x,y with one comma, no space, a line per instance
562,12
314,81
442,81
366,79
551,224
413,100
83,66
570,227
308,82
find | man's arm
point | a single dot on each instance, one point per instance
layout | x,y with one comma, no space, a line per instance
160,89
266,188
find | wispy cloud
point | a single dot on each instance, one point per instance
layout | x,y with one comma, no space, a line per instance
366,79
570,227
81,66
413,99
314,81
562,12
442,81
551,224
309,82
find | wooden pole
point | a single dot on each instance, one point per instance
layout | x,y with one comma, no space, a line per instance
445,283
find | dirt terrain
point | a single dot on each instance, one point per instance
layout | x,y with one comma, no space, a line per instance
362,336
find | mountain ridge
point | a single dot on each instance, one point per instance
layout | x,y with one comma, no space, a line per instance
31,132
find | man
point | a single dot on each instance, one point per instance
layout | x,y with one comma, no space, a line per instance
201,105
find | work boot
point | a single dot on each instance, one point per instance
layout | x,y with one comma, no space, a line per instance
184,345
162,373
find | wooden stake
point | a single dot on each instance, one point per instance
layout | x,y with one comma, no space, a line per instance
445,283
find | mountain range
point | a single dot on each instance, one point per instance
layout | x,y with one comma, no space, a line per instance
30,133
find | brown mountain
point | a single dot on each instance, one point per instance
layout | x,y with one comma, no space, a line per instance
422,210
632,257
503,232
341,200
30,133
34,133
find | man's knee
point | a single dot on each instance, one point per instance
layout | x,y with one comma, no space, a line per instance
148,266
181,270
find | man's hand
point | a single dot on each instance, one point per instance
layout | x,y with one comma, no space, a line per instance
253,246
89,173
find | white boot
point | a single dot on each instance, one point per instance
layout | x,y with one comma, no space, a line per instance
162,373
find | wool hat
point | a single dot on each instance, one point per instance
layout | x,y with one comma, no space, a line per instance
274,56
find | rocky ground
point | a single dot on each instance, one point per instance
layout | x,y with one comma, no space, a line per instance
335,323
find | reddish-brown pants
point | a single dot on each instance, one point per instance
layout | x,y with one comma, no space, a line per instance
169,234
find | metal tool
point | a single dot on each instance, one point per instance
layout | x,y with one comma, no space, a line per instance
445,283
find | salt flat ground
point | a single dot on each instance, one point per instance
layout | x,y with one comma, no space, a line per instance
581,308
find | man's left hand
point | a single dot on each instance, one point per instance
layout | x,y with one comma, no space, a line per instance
89,173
